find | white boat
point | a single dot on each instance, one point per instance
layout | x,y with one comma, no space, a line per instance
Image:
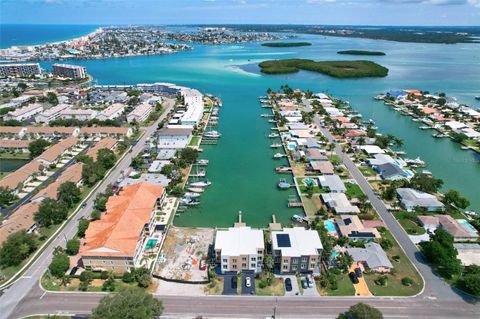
283,184
279,155
203,183
425,127
273,135
298,218
196,189
200,173
272,121
192,195
276,145
202,162
266,115
416,120
425,172
283,169
417,162
464,147
212,134
189,201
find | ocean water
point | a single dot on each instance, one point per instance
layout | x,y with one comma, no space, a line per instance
241,166
27,34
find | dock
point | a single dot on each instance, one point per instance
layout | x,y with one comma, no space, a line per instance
274,225
209,141
239,223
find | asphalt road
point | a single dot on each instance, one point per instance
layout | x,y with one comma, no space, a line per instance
438,300
16,293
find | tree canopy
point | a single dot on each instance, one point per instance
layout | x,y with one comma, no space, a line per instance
59,265
51,212
7,197
17,248
69,193
130,303
362,311
37,147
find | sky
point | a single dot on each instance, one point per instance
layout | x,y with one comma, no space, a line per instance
334,12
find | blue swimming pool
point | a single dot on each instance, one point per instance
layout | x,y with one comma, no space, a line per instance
466,224
330,226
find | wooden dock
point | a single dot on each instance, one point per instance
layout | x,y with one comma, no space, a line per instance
207,141
295,204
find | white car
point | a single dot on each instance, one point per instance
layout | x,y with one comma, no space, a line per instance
248,282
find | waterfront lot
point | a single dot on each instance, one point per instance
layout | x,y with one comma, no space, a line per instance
182,252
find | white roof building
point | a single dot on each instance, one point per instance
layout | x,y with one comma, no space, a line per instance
194,103
51,113
140,113
339,203
371,149
297,242
111,112
25,112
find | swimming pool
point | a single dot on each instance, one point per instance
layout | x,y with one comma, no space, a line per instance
466,224
291,146
151,243
330,226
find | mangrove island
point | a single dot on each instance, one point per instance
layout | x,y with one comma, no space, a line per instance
361,52
338,69
285,44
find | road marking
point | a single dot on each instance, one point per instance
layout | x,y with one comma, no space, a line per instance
26,277
43,295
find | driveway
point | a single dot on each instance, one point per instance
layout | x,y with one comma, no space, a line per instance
229,286
248,290
295,290
310,291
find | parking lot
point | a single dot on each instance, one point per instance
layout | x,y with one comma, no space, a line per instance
248,290
294,291
309,288
230,283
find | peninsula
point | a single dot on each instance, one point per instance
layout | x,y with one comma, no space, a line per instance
361,52
337,69
286,44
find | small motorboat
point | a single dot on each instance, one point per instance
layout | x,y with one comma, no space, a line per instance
203,183
279,155
189,201
283,169
202,162
196,189
276,145
192,195
273,135
283,184
272,121
417,162
298,218
212,134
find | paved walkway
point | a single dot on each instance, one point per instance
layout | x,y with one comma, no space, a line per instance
361,289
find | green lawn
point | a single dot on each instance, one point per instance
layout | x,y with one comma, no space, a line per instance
353,190
367,171
275,289
411,227
7,155
309,206
345,287
335,159
195,140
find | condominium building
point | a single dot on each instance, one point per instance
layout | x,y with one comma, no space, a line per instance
52,154
19,70
25,112
140,113
78,114
51,113
296,250
69,71
111,112
116,241
239,248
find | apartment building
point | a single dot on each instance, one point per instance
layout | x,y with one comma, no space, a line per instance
140,113
25,112
104,131
296,250
19,70
69,71
240,248
52,154
112,112
51,114
78,114
116,241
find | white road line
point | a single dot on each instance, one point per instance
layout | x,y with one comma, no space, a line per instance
43,295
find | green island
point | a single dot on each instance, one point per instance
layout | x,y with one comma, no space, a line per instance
361,52
285,44
338,69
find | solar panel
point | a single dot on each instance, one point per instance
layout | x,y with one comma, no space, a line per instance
283,240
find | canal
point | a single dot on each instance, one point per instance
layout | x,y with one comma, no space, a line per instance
241,166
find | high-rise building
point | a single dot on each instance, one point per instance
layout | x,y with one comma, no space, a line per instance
69,71
19,70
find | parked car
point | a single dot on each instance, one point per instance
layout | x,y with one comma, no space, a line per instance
248,282
84,204
288,284
358,272
304,284
234,282
353,277
203,264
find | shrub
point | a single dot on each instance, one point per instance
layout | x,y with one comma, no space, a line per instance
73,245
59,265
407,281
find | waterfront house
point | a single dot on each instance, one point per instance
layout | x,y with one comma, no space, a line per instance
296,250
324,168
351,226
14,146
239,249
339,203
411,198
372,257
140,113
332,183
370,149
17,180
116,241
392,172
313,154
174,138
460,230
455,125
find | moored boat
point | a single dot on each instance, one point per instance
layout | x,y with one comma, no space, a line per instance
192,195
283,184
273,135
279,155
196,189
202,162
203,183
212,134
276,145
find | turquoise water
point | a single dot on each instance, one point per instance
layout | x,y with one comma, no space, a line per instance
241,165
151,243
25,34
330,226
467,224
10,165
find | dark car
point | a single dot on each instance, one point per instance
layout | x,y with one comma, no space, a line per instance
353,277
288,284
234,282
358,272
304,284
